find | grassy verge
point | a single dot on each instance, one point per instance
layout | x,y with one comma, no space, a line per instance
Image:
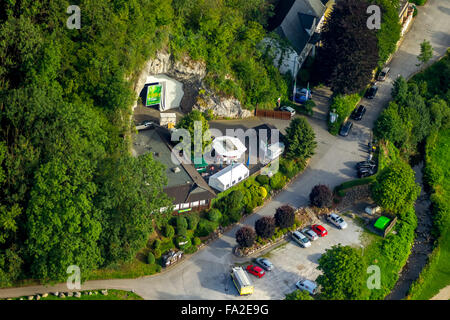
340,189
112,295
436,274
390,254
134,269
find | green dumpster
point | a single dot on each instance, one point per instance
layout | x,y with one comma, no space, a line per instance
382,223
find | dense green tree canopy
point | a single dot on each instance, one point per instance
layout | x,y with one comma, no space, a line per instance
395,188
343,275
64,110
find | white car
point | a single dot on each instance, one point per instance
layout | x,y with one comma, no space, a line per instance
310,234
337,221
301,239
307,285
289,109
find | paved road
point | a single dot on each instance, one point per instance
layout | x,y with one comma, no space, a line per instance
204,276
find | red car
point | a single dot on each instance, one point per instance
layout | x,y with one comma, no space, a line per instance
321,231
256,271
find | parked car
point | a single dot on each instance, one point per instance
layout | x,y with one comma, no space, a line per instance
144,125
367,163
311,235
358,113
301,239
289,109
366,172
319,230
265,263
256,271
345,129
337,221
307,285
371,93
383,74
303,95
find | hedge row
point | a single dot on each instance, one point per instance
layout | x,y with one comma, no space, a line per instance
343,105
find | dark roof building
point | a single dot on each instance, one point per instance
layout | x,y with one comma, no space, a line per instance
185,185
298,22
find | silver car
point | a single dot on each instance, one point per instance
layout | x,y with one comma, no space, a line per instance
265,263
337,221
289,109
301,239
310,234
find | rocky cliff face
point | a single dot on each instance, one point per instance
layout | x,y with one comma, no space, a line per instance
191,73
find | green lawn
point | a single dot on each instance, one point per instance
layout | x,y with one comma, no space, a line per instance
436,274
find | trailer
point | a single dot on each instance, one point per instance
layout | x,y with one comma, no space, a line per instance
241,281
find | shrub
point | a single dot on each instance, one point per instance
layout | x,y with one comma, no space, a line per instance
205,227
263,192
156,244
197,241
265,227
285,216
214,215
277,181
299,295
150,258
157,253
262,179
245,237
192,221
231,206
181,226
183,239
308,107
321,196
419,2
343,106
191,250
169,231
291,167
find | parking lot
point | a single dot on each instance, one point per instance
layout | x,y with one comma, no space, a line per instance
292,262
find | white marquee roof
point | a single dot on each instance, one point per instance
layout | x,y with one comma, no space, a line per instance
226,175
229,147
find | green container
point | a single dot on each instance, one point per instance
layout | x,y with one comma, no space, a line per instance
382,223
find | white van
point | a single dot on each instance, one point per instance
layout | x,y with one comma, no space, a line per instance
307,285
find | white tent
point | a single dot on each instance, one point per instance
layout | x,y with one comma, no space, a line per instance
228,148
228,177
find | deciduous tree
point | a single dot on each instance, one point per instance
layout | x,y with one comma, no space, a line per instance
343,273
245,237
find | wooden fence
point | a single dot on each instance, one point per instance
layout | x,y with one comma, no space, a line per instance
284,115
